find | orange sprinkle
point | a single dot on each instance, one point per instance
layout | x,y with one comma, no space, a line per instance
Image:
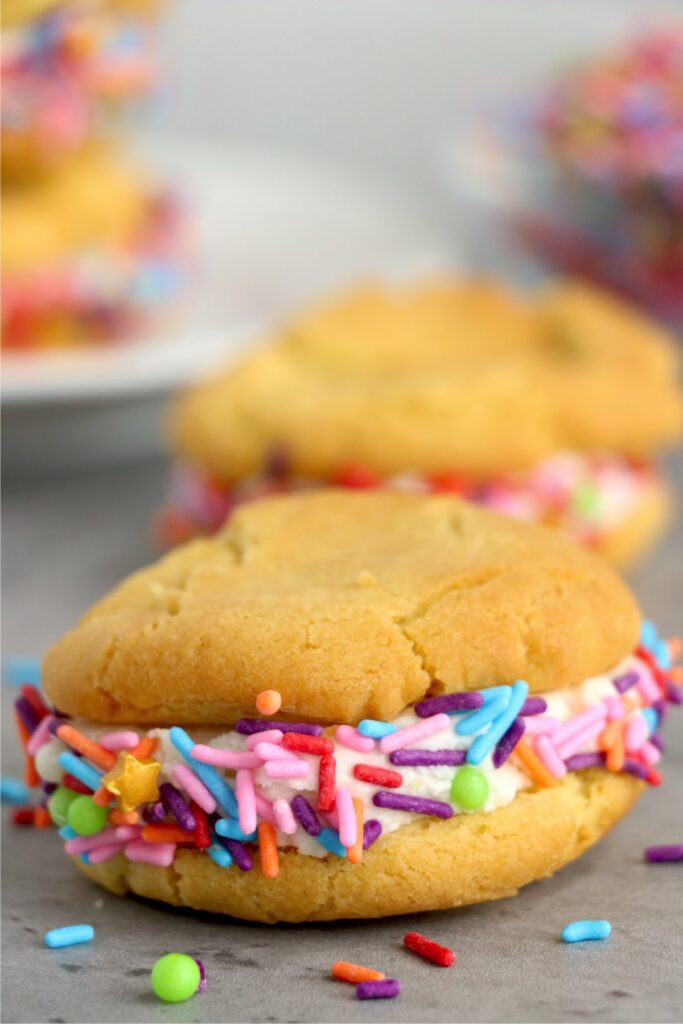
615,754
101,796
31,776
165,834
93,751
342,970
268,702
116,817
41,817
24,734
608,736
533,764
354,854
675,647
145,748
270,863
676,675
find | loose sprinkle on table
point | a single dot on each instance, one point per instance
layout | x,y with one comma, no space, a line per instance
70,935
387,988
343,970
664,854
424,947
580,931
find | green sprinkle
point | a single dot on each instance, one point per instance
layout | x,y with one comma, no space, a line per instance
175,977
59,803
469,788
586,500
85,817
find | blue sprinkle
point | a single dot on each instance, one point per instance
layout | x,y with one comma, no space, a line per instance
219,855
17,671
13,791
477,720
648,634
72,935
661,654
66,832
485,742
495,691
84,858
88,775
651,719
231,830
328,838
216,785
376,730
579,931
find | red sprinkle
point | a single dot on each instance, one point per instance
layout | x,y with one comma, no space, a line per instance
429,950
653,777
327,782
357,476
378,776
71,782
35,700
22,816
307,744
201,834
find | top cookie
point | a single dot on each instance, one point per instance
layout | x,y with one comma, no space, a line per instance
456,376
352,605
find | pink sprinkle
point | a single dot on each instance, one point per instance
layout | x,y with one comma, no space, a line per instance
268,736
647,687
635,733
614,707
649,753
161,854
264,809
332,818
578,723
272,752
348,828
413,733
108,836
575,743
119,740
351,738
194,787
289,769
41,735
539,725
549,756
246,800
103,853
284,818
224,758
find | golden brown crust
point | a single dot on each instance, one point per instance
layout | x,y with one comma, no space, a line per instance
455,376
426,865
352,606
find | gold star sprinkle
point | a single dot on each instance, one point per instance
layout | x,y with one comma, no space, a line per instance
132,782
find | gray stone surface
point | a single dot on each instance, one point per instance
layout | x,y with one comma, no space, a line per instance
65,542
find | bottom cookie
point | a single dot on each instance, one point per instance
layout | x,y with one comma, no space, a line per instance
426,865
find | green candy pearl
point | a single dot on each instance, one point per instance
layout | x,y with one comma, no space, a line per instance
175,977
469,788
85,817
58,804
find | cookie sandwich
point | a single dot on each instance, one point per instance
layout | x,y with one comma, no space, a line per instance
549,408
90,253
350,705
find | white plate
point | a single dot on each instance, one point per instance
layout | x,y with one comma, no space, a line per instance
270,233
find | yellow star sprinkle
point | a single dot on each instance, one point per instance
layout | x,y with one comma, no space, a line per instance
132,782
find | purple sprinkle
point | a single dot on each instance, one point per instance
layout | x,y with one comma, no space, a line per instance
662,709
305,815
372,830
632,767
202,975
577,762
26,714
664,854
673,694
509,740
55,724
157,812
625,682
414,804
466,701
237,851
533,706
656,741
389,988
49,787
176,806
248,726
408,757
